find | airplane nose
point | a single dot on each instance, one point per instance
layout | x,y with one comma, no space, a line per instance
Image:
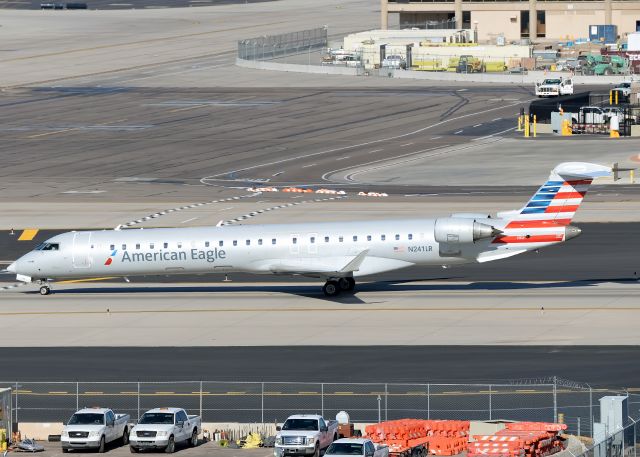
571,232
12,268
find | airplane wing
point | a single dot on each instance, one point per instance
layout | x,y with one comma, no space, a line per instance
322,267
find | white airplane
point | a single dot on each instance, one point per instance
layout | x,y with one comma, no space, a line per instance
334,251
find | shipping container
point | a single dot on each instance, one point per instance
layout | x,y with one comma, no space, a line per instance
603,33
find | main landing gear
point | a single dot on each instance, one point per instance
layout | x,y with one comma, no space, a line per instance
333,287
45,288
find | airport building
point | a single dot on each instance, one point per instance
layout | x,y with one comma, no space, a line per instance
555,20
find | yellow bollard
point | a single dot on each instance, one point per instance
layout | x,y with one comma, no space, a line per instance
610,97
519,123
617,93
631,177
526,126
535,124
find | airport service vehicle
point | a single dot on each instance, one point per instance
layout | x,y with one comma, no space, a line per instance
336,252
305,434
356,447
163,428
554,87
394,61
469,64
93,428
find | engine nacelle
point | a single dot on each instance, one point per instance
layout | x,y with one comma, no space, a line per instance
460,230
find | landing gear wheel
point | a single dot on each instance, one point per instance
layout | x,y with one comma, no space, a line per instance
331,288
45,290
347,284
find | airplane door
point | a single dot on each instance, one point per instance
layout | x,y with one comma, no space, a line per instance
81,250
294,244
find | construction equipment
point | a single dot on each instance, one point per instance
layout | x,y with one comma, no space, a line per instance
469,64
604,65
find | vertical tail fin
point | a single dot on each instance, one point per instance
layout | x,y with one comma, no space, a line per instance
558,199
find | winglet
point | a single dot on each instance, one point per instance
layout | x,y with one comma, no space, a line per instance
354,264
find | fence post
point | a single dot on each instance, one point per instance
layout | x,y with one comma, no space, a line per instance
579,426
17,421
386,402
201,402
490,403
555,399
262,404
428,401
322,399
138,400
591,411
77,395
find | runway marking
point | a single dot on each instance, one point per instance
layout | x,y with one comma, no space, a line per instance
406,144
310,165
343,158
236,393
344,148
165,393
58,393
73,281
499,118
308,310
28,234
458,132
375,150
477,125
462,90
436,137
493,134
49,133
190,220
93,393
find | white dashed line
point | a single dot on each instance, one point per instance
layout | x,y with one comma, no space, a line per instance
406,144
496,119
436,137
477,125
458,132
343,158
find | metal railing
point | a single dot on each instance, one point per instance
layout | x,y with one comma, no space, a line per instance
274,401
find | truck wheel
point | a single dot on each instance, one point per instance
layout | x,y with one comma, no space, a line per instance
193,442
101,447
171,447
65,450
125,437
316,453
133,450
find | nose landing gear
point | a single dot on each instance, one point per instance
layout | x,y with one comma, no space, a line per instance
45,288
333,287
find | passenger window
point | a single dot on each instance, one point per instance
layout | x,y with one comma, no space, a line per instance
124,247
235,242
220,243
166,245
273,241
295,240
355,237
248,242
341,239
312,239
368,237
410,236
92,246
383,237
138,246
259,241
151,245
179,245
326,239
113,247
397,237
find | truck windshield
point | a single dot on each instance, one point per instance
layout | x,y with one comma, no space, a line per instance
344,449
300,424
87,419
156,418
551,81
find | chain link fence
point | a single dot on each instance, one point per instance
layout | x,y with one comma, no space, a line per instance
576,405
276,46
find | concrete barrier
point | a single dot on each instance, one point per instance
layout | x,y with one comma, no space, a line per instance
529,78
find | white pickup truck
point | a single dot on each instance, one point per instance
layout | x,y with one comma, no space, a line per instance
356,447
554,87
305,434
163,428
93,428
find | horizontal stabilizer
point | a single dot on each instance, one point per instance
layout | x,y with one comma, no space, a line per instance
582,170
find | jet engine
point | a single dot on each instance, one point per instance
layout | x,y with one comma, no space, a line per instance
459,230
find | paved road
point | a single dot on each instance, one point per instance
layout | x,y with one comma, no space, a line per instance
228,400
602,252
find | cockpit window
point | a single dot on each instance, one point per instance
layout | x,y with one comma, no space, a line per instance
48,247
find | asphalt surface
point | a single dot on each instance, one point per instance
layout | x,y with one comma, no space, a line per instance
355,377
125,4
603,252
